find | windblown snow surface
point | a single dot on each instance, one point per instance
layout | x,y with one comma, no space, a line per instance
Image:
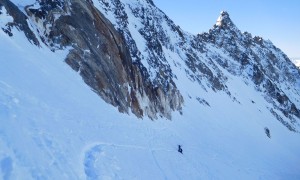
53,126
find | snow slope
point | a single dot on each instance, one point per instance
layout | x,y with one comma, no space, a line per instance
296,61
54,127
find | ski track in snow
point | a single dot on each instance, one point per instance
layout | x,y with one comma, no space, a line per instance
96,160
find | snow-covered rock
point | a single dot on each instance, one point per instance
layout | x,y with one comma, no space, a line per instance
296,61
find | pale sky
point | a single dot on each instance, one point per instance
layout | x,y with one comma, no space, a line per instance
276,20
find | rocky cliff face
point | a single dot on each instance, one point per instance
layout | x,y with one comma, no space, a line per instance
100,54
132,55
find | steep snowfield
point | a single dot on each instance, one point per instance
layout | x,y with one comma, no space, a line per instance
54,127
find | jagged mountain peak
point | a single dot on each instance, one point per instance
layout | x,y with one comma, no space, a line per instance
225,31
224,20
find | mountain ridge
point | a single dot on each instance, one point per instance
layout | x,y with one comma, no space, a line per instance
155,91
223,36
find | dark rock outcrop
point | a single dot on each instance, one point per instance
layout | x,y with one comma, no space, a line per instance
20,21
100,54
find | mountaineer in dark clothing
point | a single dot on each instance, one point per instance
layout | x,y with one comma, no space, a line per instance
180,149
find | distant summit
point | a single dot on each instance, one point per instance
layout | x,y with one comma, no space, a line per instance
224,20
225,25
